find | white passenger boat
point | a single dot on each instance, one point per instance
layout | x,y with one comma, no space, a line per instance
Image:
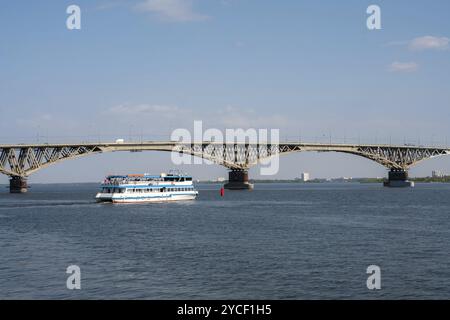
137,188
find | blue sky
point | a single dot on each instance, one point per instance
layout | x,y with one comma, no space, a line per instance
146,67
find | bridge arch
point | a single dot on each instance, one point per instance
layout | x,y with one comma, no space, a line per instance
19,161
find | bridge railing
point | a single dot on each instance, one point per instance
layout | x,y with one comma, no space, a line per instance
140,138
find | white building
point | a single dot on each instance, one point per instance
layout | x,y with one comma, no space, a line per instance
305,176
437,174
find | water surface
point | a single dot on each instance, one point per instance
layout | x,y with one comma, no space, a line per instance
280,241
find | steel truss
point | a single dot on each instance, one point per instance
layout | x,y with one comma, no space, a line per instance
23,160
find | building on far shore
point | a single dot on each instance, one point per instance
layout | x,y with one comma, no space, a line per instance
221,179
437,174
305,176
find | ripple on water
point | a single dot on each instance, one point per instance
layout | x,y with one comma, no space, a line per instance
276,242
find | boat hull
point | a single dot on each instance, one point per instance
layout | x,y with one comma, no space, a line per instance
145,199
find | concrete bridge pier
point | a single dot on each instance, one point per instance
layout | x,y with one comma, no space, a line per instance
18,184
398,178
238,180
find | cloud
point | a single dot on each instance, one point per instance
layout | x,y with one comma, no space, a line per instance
221,118
403,67
232,117
429,43
172,10
110,4
397,43
145,110
35,121
423,43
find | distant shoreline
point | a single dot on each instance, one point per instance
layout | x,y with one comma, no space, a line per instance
445,179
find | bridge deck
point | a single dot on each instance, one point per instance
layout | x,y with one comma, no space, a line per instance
24,159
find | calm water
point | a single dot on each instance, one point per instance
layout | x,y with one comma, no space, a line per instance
281,241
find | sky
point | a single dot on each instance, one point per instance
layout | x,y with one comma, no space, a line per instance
140,69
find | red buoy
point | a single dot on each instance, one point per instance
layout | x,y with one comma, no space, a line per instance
222,191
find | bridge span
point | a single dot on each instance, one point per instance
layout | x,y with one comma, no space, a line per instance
19,161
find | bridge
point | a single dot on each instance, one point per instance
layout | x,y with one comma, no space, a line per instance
19,161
